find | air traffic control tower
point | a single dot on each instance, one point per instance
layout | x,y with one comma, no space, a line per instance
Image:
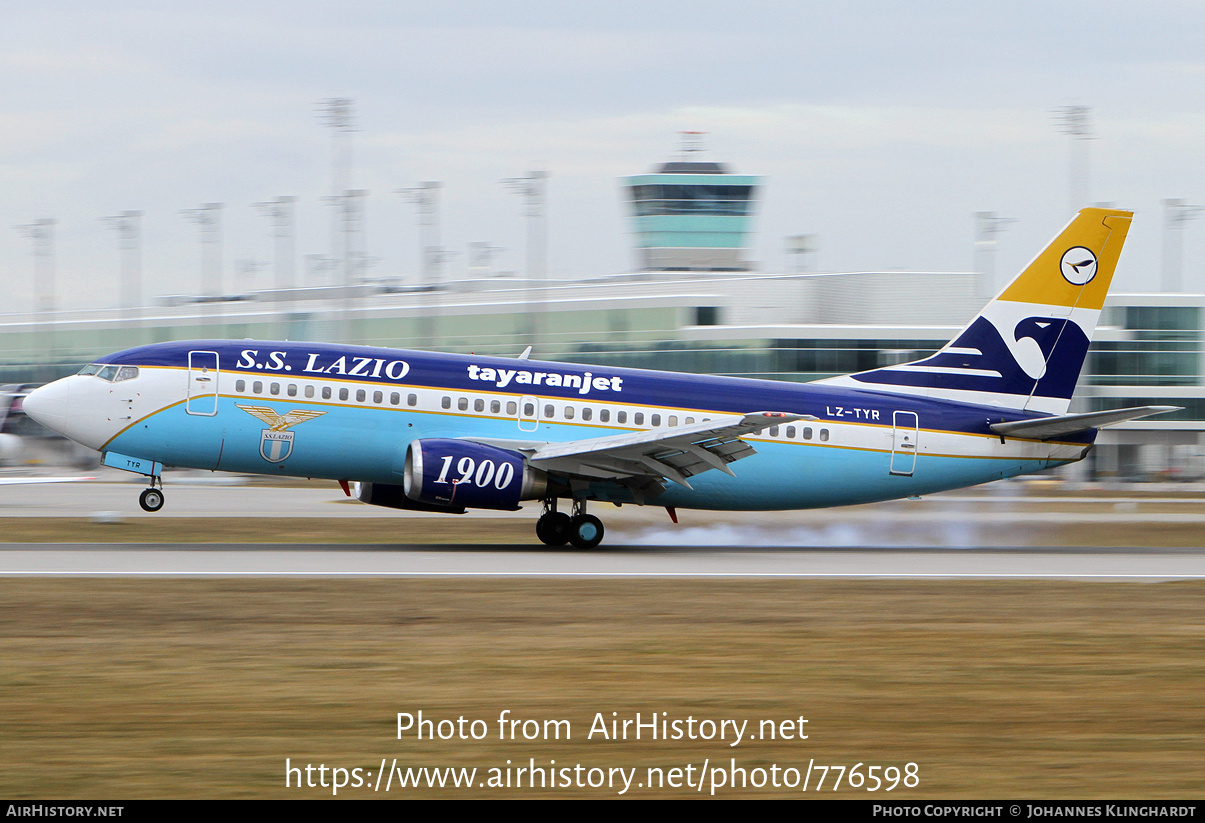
691,214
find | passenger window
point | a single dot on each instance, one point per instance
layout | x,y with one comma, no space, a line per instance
824,434
604,415
673,419
639,419
462,403
790,432
291,390
569,412
511,407
495,406
529,410
656,420
774,431
549,411
342,394
587,413
309,391
240,386
479,405
274,388
622,417
689,420
412,400
807,432
378,397
446,402
360,395
395,399
326,392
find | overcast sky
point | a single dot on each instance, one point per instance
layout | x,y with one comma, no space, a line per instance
880,127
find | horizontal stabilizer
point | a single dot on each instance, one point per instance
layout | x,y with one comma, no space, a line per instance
1048,428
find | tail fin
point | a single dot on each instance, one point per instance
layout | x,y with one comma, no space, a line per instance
1026,348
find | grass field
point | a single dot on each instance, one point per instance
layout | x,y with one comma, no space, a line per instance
132,688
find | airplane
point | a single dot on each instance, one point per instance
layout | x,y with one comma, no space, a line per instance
445,433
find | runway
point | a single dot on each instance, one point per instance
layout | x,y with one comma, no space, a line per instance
1003,531
163,560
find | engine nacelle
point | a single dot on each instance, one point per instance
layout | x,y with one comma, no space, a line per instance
460,473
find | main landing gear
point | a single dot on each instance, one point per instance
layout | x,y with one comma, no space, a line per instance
151,499
554,528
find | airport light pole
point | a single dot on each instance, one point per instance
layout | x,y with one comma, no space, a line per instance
350,207
987,228
1176,215
41,231
425,197
1073,121
128,226
337,115
209,218
280,212
533,190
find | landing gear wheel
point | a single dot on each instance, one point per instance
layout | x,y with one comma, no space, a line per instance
151,500
553,528
585,531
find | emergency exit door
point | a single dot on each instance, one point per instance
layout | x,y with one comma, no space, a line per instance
905,428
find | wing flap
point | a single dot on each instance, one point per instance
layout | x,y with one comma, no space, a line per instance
675,454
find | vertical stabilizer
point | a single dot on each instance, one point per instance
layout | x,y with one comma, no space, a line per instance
1026,348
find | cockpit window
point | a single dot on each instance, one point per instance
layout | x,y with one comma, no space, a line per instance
113,374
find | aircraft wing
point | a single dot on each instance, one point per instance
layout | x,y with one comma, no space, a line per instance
1048,428
644,460
656,455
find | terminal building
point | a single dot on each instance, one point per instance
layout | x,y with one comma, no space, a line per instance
695,305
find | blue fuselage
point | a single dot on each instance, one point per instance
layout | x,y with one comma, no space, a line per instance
349,413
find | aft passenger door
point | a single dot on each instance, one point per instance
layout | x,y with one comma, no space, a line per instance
202,383
905,428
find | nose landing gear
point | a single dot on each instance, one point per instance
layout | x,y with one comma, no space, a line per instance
151,499
554,528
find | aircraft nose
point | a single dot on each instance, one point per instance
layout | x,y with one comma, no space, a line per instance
48,405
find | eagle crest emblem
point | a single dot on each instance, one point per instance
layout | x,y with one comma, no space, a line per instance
276,442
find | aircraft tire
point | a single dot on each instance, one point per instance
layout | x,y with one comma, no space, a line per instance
586,531
553,528
151,500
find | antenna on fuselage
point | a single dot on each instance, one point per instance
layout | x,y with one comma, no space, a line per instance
526,353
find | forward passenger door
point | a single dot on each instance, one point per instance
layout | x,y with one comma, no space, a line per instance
202,383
